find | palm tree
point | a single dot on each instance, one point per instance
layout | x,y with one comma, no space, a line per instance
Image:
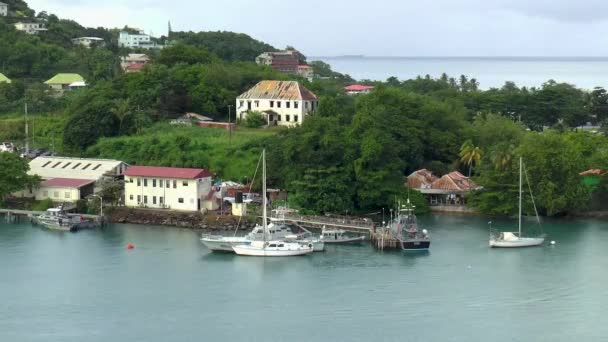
470,154
502,156
121,110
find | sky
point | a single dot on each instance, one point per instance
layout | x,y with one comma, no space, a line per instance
372,28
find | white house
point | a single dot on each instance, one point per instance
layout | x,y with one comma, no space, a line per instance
30,28
89,41
64,189
167,187
3,9
141,41
284,103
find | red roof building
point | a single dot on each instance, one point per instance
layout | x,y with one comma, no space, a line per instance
358,89
167,172
134,67
66,183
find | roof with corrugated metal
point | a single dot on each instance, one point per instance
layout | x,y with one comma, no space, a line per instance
455,181
279,90
419,179
64,79
66,183
167,172
77,168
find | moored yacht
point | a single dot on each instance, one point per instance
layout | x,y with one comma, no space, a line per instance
57,219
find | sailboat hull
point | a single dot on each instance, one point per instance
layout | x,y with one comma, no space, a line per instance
262,252
517,243
223,244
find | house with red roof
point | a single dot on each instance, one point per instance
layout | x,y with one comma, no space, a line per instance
286,61
448,190
283,103
358,89
174,188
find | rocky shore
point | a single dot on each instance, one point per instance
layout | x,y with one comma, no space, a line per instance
200,221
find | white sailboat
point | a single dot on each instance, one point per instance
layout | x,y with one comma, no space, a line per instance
271,248
515,239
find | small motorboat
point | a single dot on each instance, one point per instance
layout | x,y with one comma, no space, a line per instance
339,236
56,219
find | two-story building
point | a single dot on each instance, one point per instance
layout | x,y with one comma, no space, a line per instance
30,28
284,103
89,41
3,9
137,41
167,188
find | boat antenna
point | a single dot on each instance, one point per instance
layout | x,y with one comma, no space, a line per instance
532,196
264,214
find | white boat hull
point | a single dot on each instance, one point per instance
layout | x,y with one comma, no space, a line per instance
223,244
519,242
264,250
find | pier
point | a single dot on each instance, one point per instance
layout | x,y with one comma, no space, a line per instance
382,239
12,215
349,224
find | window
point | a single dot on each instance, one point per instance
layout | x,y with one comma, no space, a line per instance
180,200
47,163
56,194
68,194
160,183
138,181
54,166
271,104
66,165
295,104
138,199
145,181
86,166
168,184
306,105
154,183
295,118
272,245
279,117
287,118
75,166
161,199
185,183
257,103
174,184
131,197
153,199
146,199
278,104
96,166
287,104
45,193
241,103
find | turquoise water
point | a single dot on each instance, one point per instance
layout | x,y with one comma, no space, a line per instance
86,286
583,72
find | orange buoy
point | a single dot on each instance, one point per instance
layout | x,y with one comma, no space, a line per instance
130,246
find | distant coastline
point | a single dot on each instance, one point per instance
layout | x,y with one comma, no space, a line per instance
488,58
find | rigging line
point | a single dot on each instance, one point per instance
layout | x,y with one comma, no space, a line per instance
250,186
532,196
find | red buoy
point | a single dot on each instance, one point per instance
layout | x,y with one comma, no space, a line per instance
130,246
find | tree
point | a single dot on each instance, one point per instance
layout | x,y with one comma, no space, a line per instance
470,154
14,175
121,110
254,120
181,53
111,190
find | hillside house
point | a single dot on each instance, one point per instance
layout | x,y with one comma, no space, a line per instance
284,103
89,41
3,9
450,189
358,89
305,71
4,79
30,28
137,41
134,62
287,61
168,188
65,82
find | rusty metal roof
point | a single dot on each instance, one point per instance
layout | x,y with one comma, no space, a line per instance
455,181
278,90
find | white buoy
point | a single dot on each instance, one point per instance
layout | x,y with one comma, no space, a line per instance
553,242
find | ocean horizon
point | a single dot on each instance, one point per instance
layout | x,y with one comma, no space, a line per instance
585,72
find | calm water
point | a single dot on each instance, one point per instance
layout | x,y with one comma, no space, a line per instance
86,286
490,72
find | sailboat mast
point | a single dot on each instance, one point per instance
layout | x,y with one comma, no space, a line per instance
520,181
264,214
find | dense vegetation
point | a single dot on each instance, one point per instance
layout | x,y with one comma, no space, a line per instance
352,155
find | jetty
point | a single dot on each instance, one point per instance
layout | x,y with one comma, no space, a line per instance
346,223
382,239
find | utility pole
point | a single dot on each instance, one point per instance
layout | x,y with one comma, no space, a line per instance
27,139
229,125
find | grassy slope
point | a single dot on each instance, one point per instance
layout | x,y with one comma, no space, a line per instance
204,147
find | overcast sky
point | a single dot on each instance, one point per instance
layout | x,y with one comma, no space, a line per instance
380,27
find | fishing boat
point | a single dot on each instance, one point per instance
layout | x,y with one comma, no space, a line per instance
516,239
57,219
339,236
274,248
405,230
